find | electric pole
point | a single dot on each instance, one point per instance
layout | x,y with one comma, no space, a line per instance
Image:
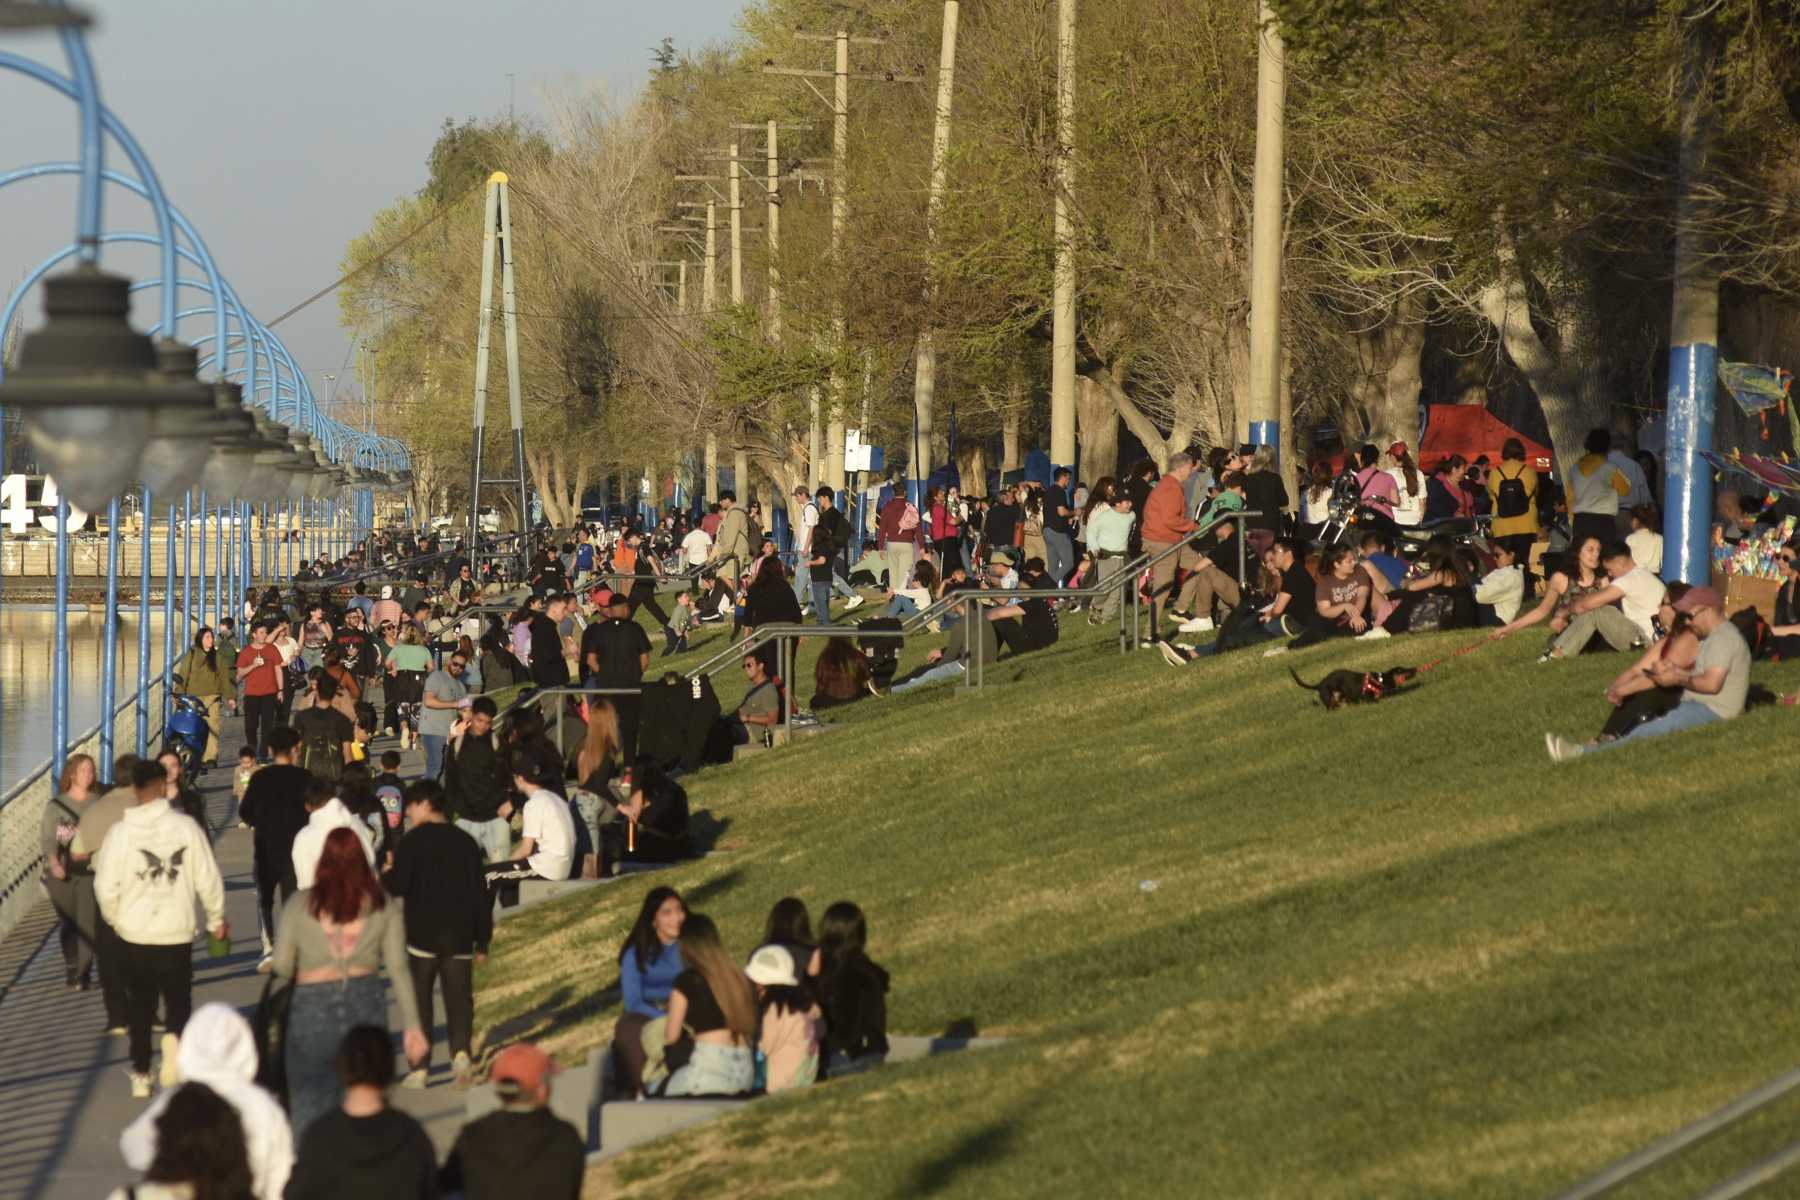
840,207
1262,423
1062,323
925,368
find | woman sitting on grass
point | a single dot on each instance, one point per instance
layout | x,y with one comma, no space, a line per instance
790,925
1636,697
1341,598
788,1042
1580,575
712,1019
1438,597
649,961
852,991
842,674
905,601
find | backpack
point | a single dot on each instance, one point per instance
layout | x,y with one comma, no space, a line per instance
321,753
1510,498
909,520
1757,634
883,653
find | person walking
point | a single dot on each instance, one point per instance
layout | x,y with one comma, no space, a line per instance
360,1148
259,670
274,806
444,698
1059,532
332,941
523,1149
731,542
98,817
205,675
900,538
71,884
438,873
1166,523
154,866
219,1050
1512,489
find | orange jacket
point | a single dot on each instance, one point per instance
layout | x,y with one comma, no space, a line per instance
1165,512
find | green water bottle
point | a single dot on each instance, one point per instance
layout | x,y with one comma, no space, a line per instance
218,947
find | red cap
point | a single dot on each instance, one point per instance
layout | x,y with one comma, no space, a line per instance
1397,449
1697,598
524,1066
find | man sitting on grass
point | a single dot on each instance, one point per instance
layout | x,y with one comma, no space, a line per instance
546,846
1712,690
1637,594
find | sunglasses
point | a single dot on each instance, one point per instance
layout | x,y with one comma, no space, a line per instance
457,664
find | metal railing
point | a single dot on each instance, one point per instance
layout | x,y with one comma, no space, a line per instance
22,810
1688,1136
1148,561
539,695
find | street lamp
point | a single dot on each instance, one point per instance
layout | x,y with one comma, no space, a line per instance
231,469
20,14
86,382
182,427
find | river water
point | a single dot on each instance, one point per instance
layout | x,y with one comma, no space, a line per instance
27,644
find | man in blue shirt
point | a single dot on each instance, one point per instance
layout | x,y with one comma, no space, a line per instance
1378,552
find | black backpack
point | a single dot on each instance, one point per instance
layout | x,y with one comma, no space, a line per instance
1510,498
883,653
321,752
1757,634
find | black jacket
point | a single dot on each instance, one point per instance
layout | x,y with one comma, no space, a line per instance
854,996
439,872
548,668
275,806
477,777
513,1153
383,1157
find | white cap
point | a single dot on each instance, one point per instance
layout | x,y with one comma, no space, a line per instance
772,966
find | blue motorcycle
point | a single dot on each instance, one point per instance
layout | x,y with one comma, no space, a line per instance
185,734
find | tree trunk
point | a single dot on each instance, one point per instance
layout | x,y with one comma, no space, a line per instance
1097,420
971,467
1010,459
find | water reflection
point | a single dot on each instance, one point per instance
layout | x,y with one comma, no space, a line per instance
27,643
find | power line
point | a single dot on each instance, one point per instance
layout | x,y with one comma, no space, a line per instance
443,211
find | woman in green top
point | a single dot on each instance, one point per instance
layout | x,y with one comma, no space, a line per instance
206,674
408,662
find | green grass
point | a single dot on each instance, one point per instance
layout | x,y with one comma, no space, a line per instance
1390,952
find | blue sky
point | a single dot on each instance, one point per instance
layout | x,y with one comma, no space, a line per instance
281,126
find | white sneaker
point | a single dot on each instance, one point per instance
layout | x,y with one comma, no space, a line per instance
416,1079
266,965
141,1085
1197,625
171,1048
1274,650
1171,655
1562,749
1373,634
853,602
460,1064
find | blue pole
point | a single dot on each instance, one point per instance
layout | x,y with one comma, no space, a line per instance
93,154
201,618
143,630
187,557
228,597
1266,433
109,649
168,663
1687,479
218,565
59,660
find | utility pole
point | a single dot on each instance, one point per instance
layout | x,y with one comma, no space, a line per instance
1062,324
497,223
925,367
839,103
1264,423
1694,322
737,231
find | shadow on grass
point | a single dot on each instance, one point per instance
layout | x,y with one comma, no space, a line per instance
962,1027
978,1148
558,1012
705,830
712,889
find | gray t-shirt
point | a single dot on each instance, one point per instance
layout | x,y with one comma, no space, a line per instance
443,686
1724,647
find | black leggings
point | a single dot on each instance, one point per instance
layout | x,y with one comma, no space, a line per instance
457,974
643,595
1638,708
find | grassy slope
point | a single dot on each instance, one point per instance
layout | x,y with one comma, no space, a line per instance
1391,951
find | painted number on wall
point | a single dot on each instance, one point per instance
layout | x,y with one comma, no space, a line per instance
20,515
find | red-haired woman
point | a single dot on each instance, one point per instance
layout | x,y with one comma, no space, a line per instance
333,940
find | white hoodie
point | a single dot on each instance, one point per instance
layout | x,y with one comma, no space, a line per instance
218,1049
309,843
151,869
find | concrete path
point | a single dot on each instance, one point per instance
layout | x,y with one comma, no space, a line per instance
64,1097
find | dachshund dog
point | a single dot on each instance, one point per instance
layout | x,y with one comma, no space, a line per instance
1357,687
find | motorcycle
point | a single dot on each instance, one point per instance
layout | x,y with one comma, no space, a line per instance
185,734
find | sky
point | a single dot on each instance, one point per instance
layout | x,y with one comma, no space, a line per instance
281,126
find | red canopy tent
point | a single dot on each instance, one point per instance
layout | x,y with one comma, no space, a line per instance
1471,431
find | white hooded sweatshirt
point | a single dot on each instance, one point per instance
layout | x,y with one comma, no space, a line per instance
217,1049
149,872
309,843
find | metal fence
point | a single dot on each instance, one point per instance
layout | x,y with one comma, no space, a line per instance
22,811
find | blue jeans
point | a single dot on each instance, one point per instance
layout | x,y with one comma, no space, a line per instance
434,744
943,670
320,1016
494,837
821,598
900,606
714,1071
1689,714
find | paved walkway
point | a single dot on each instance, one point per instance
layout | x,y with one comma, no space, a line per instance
64,1097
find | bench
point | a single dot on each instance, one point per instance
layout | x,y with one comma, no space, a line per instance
626,1124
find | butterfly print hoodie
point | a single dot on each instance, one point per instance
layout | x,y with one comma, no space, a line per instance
152,869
